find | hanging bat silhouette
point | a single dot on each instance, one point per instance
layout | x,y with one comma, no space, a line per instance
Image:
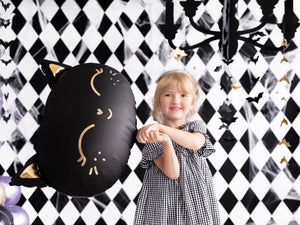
259,33
6,44
284,160
6,118
223,126
254,79
284,60
4,22
252,59
6,81
227,61
225,107
218,68
5,5
6,96
6,62
284,78
235,87
284,121
284,142
255,99
228,121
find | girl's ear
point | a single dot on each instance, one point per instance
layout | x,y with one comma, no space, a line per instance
53,71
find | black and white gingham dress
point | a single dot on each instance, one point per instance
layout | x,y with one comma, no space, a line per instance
188,200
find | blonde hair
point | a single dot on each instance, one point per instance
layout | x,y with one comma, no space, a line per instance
184,81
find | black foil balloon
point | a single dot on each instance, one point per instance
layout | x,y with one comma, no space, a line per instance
6,216
87,129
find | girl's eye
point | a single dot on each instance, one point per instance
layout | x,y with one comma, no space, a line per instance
167,95
184,95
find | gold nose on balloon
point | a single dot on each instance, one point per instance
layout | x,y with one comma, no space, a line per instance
99,112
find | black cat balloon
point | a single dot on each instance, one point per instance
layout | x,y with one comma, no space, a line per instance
87,129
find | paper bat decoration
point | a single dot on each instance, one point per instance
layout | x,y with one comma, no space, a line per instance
6,62
5,5
6,44
223,126
227,61
283,160
255,99
6,81
284,121
6,96
252,59
284,142
235,87
218,68
228,121
284,60
254,79
284,78
4,22
6,118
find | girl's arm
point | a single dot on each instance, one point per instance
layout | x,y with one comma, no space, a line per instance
186,139
167,162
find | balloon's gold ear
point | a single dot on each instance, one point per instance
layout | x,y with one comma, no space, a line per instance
53,71
29,175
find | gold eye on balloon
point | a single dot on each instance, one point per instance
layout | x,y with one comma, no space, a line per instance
93,78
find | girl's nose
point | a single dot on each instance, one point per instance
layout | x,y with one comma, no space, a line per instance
176,99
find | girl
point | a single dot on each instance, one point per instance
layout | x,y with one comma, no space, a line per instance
178,186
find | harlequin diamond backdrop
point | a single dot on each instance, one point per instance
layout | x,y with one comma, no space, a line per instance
256,175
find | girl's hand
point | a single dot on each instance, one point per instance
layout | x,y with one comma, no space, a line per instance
156,136
144,133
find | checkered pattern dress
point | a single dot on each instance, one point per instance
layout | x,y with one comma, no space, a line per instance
188,200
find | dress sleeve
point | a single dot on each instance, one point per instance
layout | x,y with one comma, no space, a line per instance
208,148
150,152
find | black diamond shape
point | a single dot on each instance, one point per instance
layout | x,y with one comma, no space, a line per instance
119,52
143,111
38,81
266,53
59,201
228,200
228,170
61,50
293,138
142,82
17,51
1,170
292,202
291,109
59,21
228,113
18,21
269,110
35,23
37,221
250,200
12,168
292,169
101,220
226,82
37,109
125,173
38,51
80,203
270,170
249,140
140,172
206,21
80,3
294,83
105,25
127,76
102,52
143,23
271,200
104,4
211,167
121,200
17,140
22,200
227,141
269,140
101,201
135,200
206,111
206,82
59,221
121,222
144,53
247,50
38,199
248,81
228,222
248,111
205,53
125,21
249,170
83,54
79,221
269,80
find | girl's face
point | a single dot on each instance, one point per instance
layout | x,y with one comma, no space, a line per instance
175,106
